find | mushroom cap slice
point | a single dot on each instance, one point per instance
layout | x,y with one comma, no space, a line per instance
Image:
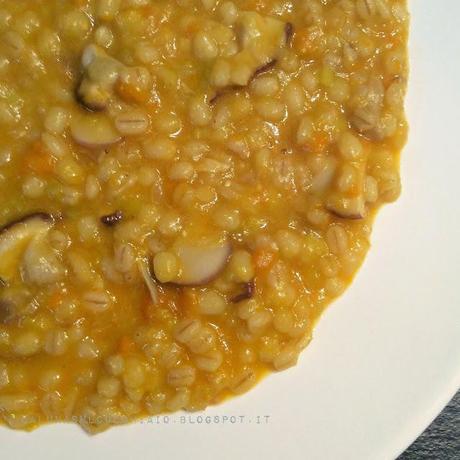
92,96
144,269
261,35
93,131
100,72
260,39
201,264
347,208
90,53
40,264
15,236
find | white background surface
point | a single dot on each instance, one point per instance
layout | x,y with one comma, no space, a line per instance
386,357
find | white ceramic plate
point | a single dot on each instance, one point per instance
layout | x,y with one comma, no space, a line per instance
386,357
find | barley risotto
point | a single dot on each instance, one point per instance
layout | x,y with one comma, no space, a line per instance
186,185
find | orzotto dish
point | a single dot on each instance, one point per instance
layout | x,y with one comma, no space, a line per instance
185,186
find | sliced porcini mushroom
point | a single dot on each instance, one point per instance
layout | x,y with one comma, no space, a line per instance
246,293
367,106
259,50
260,39
366,121
264,68
150,282
16,303
201,264
262,35
347,208
324,176
104,78
111,220
40,264
232,88
288,33
92,96
99,74
15,236
94,131
90,53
